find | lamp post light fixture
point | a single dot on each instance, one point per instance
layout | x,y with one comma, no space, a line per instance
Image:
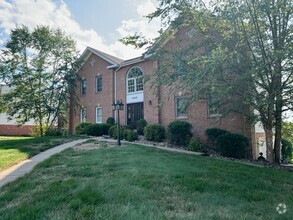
118,105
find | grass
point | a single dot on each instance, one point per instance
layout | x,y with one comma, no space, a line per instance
136,182
16,149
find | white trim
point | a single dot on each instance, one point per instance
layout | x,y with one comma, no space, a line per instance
135,91
99,122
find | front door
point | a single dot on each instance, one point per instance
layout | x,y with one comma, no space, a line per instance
134,113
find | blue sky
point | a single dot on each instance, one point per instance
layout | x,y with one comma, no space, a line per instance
95,23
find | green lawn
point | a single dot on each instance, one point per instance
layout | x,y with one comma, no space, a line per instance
136,182
16,149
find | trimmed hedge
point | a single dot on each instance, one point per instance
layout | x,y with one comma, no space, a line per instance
140,125
233,145
154,132
110,121
80,128
106,127
179,133
286,151
214,133
94,130
195,145
129,135
113,131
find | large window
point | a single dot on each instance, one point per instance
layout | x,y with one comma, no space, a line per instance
82,115
99,115
213,108
134,80
83,87
99,84
181,107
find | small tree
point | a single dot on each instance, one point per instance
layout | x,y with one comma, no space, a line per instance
40,67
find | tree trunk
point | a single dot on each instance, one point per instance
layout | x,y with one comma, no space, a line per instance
269,143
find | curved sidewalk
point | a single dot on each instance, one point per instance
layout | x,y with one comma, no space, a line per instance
26,166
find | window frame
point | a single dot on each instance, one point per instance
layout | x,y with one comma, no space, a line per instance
99,79
135,79
176,108
83,87
82,115
213,111
99,115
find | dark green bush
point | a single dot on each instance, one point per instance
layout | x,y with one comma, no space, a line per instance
195,145
286,150
179,132
110,121
111,130
140,125
213,133
129,135
154,132
80,128
233,145
94,130
106,127
53,132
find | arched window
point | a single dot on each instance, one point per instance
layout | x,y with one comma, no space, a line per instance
134,80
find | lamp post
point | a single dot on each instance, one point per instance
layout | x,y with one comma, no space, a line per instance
118,105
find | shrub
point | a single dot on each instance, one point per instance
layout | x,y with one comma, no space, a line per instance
129,135
213,134
232,145
154,132
286,150
179,132
195,145
53,132
111,121
111,130
140,124
80,128
105,128
94,130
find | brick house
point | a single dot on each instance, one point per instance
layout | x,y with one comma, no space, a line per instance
105,78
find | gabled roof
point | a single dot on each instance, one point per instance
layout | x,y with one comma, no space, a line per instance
107,57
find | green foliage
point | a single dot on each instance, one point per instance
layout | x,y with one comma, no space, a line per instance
287,149
53,132
212,136
80,128
129,135
179,132
287,131
154,132
195,145
94,130
40,67
106,127
111,130
140,124
110,121
233,145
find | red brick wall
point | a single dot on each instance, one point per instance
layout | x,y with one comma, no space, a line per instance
92,99
15,130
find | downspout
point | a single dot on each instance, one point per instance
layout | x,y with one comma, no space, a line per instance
115,87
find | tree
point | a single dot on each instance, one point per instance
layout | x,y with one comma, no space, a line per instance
248,57
40,67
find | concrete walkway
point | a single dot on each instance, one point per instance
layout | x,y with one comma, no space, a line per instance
26,166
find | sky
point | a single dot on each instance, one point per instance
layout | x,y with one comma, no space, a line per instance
95,23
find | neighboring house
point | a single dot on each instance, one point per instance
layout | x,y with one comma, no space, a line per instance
10,127
105,78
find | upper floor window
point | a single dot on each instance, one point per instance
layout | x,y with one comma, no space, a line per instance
83,87
99,84
181,107
134,80
213,108
82,115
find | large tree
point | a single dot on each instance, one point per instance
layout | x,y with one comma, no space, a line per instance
248,57
39,66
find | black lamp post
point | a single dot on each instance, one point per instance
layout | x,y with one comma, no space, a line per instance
118,105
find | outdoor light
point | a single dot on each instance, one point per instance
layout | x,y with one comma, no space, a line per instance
118,105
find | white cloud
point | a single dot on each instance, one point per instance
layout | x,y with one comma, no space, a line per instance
57,15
